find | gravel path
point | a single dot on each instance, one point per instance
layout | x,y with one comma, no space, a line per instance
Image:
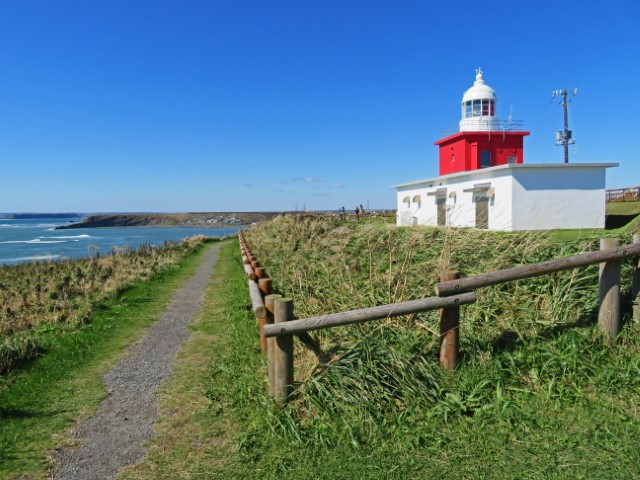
113,437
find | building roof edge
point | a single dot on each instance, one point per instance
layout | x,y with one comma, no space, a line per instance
514,166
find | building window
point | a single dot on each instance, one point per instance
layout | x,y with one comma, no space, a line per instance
485,159
511,159
477,108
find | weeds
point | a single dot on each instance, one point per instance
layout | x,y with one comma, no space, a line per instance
529,348
39,403
531,398
41,297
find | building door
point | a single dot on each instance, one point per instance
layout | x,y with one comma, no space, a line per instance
482,212
442,211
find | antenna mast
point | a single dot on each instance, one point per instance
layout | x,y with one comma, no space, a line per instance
565,137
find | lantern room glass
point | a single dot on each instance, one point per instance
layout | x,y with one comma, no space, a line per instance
478,108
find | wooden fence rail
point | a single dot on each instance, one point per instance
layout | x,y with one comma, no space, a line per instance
451,287
258,290
278,324
368,314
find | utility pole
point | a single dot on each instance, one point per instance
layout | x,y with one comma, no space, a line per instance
565,137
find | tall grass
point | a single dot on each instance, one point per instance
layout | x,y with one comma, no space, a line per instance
56,391
526,345
41,297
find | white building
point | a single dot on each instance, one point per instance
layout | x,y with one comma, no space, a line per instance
485,183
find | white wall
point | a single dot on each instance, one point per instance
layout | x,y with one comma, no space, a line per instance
522,197
460,205
558,199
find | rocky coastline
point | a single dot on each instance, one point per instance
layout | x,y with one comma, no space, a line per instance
169,220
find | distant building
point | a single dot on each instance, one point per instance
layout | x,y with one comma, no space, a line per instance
484,182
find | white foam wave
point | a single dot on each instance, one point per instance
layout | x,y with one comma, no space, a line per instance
70,237
35,240
32,258
30,226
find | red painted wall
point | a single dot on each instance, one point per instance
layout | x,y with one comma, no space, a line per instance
462,152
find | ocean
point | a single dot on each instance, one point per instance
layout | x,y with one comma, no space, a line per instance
37,239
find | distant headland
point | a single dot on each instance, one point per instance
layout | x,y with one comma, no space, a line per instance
170,220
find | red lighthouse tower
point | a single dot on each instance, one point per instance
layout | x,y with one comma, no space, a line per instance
483,140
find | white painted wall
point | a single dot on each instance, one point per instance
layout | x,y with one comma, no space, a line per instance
460,205
522,197
547,199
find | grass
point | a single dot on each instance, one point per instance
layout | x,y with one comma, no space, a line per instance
214,388
40,299
538,393
40,401
623,208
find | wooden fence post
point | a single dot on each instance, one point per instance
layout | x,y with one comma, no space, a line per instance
265,288
271,344
449,329
635,287
609,313
283,352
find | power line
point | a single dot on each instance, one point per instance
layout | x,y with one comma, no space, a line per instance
546,109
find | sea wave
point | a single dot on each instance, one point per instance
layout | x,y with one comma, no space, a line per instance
70,237
36,240
34,258
25,226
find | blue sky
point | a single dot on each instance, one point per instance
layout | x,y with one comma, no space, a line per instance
278,105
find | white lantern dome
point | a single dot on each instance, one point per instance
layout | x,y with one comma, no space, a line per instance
479,107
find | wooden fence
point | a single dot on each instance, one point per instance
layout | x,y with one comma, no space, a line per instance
623,194
278,325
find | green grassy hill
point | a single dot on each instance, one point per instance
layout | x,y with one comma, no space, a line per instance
538,393
623,208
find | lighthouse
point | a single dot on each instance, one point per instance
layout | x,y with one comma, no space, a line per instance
483,141
484,182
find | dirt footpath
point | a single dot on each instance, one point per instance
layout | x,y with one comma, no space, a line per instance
113,438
